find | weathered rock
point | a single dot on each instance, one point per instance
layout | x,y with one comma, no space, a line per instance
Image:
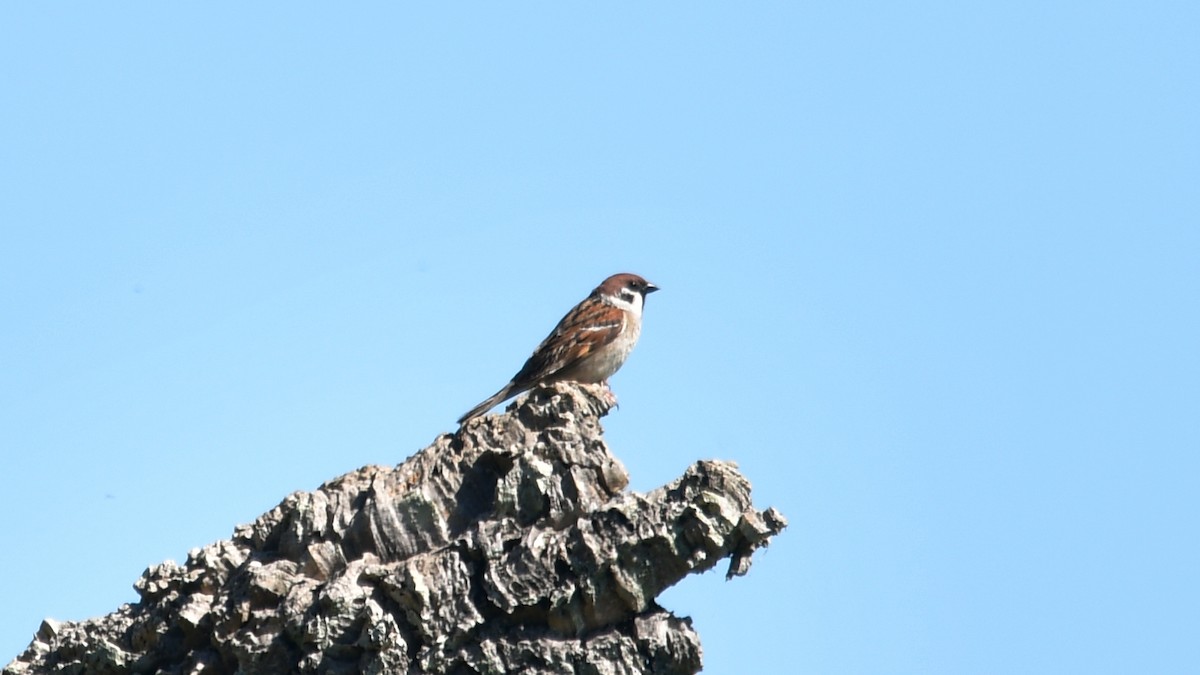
508,547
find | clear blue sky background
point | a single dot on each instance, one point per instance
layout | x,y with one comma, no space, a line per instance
930,277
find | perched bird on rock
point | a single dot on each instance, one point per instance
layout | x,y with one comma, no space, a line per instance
588,345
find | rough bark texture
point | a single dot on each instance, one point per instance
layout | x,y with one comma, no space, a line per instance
508,547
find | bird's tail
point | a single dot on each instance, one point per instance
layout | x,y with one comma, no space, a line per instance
487,405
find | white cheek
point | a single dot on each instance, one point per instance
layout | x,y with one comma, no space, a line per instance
633,305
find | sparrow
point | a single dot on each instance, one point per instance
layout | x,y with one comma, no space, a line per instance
588,345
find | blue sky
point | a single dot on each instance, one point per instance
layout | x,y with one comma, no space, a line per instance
929,277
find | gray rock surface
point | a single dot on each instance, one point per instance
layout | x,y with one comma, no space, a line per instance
507,547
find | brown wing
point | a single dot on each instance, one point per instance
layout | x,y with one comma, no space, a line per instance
591,325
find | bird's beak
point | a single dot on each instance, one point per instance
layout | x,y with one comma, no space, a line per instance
650,288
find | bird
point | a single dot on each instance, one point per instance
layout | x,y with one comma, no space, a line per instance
588,345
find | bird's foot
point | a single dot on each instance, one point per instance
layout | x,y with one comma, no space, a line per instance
607,395
600,396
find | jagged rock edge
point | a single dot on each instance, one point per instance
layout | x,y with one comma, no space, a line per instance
547,420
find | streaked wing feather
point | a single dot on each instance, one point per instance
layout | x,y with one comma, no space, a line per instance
586,328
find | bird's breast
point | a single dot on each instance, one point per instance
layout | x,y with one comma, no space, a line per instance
602,363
